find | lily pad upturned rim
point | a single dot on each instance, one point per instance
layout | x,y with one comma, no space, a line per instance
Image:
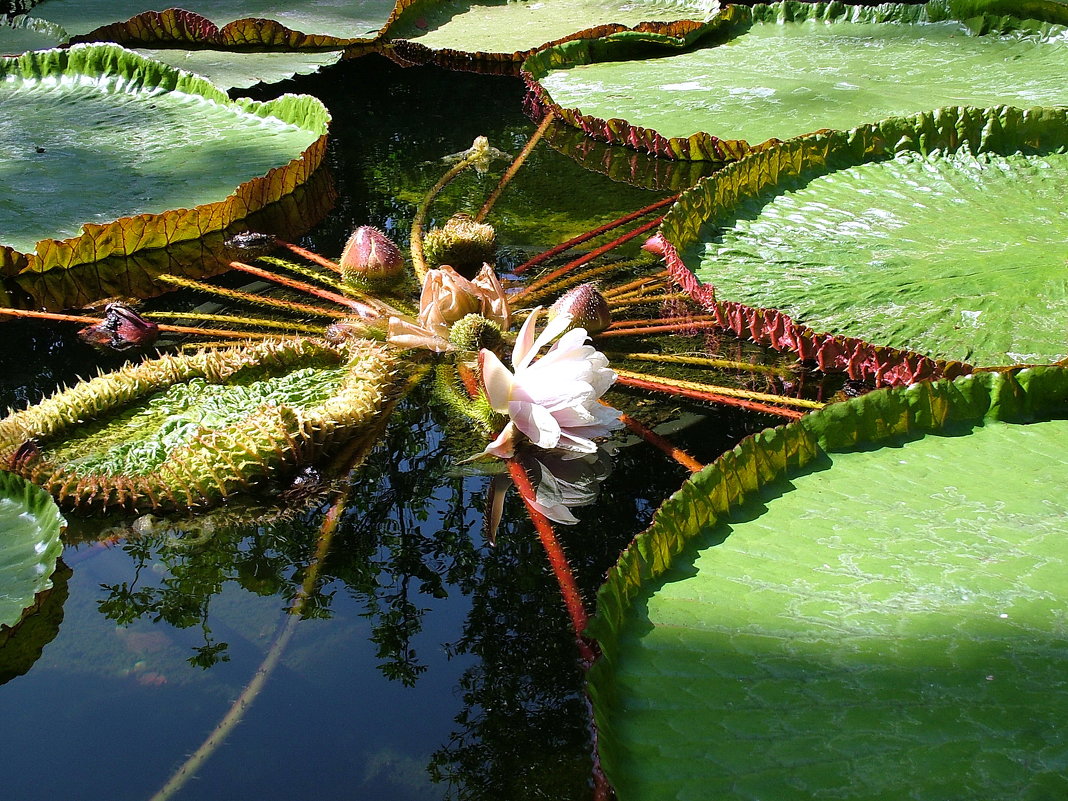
127,235
177,26
733,20
998,130
410,52
40,505
1017,396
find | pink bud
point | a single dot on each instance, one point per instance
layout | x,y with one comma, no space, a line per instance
586,306
370,255
121,329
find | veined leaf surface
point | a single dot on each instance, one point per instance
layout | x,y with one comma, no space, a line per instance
30,526
868,603
940,234
782,70
111,152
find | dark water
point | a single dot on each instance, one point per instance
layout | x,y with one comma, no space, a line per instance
427,664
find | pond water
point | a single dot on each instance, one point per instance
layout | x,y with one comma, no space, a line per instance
427,663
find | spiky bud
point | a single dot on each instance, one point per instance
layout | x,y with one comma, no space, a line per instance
370,257
474,332
462,243
586,306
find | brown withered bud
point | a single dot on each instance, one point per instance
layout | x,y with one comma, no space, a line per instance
370,255
586,306
121,329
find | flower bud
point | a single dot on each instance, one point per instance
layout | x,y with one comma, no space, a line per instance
586,306
370,255
461,243
474,332
446,297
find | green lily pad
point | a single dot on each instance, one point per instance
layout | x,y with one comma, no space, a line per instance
235,70
30,527
187,430
486,29
226,22
868,603
940,235
109,152
22,34
22,646
782,70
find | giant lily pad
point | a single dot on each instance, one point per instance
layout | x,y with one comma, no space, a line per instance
110,153
219,22
186,430
868,603
939,238
30,526
782,70
452,32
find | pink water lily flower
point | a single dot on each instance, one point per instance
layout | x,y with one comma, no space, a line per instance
446,298
552,401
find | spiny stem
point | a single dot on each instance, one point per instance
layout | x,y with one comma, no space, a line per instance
300,269
173,329
647,321
654,439
257,300
418,259
645,282
700,361
513,168
593,254
630,378
637,301
595,232
362,309
657,329
314,258
557,559
226,318
569,281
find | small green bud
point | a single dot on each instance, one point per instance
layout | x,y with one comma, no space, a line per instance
473,332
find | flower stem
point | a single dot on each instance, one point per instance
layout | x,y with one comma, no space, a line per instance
657,441
285,326
593,254
729,391
513,168
669,388
257,300
658,329
656,281
314,258
362,309
700,361
595,232
173,329
557,559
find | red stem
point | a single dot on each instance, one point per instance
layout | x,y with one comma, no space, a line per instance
361,309
640,322
578,240
656,329
557,558
654,439
315,258
593,254
708,397
173,329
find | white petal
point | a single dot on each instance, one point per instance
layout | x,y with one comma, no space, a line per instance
537,423
554,328
525,339
497,379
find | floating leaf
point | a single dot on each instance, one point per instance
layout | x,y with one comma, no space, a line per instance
223,23
22,34
110,153
30,526
187,430
782,70
466,33
21,647
870,599
937,237
230,70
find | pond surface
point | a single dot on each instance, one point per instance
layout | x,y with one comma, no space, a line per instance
427,664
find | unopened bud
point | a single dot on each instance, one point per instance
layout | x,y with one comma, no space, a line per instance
370,256
474,332
121,329
586,306
462,243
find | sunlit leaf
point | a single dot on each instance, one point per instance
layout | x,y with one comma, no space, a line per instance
940,234
236,70
21,647
30,526
782,70
451,31
870,599
110,153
